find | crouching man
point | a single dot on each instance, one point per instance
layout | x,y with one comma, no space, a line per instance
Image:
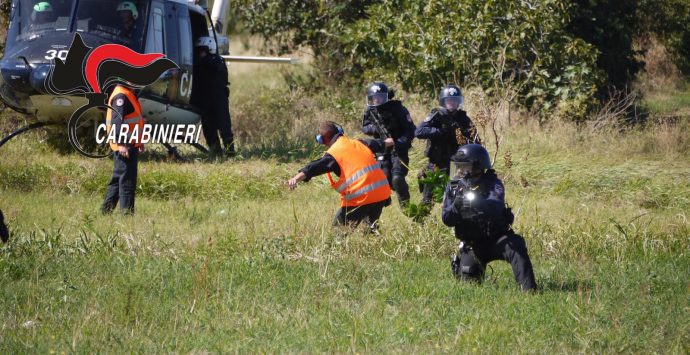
362,185
474,203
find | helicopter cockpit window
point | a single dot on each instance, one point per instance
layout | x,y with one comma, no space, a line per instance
36,18
118,21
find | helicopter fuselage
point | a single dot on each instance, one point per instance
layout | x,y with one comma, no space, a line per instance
162,26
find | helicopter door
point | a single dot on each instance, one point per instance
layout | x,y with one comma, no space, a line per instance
186,53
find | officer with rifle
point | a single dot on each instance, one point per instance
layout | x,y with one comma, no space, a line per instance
385,118
474,204
446,129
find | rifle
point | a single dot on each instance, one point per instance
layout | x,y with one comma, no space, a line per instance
464,191
380,127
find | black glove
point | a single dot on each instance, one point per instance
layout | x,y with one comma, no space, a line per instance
464,207
459,202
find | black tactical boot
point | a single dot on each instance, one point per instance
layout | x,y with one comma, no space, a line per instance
230,150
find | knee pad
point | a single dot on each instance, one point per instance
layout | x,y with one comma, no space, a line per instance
471,272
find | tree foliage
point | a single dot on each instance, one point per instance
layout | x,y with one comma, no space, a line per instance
499,45
609,25
669,21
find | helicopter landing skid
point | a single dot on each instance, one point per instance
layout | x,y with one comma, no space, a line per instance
25,129
200,147
173,153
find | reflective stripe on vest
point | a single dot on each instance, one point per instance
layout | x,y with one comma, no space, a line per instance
366,189
358,175
361,180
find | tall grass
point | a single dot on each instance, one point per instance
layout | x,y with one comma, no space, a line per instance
222,257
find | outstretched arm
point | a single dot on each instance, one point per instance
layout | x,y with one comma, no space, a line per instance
326,164
292,183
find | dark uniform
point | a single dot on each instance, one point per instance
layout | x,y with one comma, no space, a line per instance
354,215
123,184
210,93
483,226
397,120
445,132
4,233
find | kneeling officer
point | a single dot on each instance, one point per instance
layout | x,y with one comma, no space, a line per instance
362,185
474,203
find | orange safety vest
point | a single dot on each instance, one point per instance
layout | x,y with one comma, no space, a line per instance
361,180
133,119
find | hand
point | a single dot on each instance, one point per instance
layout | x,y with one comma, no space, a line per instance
292,183
141,149
123,151
389,142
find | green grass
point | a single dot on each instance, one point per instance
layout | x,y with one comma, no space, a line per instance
221,256
673,102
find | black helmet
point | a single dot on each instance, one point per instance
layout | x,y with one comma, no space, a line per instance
472,159
451,95
377,94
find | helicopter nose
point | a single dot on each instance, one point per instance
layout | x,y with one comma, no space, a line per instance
38,77
16,76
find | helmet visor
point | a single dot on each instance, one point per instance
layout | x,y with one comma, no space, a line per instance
451,103
459,170
377,99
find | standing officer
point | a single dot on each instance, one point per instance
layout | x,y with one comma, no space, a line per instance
445,129
385,118
474,203
362,185
211,94
123,184
4,233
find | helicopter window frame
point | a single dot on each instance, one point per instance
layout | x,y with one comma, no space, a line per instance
172,42
89,18
186,48
155,39
22,27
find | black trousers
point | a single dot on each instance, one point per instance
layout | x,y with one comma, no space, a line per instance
395,166
216,119
4,233
123,184
428,189
352,216
470,262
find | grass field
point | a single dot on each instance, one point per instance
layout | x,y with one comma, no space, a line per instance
221,256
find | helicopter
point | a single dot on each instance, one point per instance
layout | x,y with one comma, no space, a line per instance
171,27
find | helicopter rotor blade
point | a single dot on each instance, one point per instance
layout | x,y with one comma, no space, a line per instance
248,59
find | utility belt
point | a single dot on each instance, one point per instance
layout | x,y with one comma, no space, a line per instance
495,237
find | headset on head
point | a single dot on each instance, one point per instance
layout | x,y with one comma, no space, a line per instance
320,139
